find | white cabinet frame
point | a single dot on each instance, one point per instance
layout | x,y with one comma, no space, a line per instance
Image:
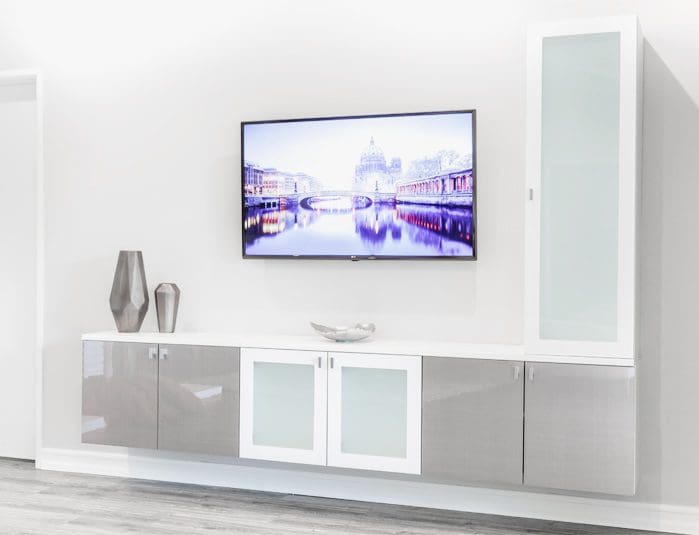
317,359
411,464
630,77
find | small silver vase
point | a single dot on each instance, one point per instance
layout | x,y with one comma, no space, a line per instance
129,297
167,301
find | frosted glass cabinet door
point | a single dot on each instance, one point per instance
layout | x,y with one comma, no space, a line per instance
283,405
120,394
579,187
582,175
374,415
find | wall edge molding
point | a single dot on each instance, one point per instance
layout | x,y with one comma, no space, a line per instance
597,511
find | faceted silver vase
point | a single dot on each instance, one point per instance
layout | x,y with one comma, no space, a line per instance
129,297
167,301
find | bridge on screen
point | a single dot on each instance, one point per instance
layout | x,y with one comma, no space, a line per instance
342,200
321,200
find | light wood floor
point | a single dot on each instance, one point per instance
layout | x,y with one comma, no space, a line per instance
39,502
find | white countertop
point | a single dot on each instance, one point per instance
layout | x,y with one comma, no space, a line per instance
376,344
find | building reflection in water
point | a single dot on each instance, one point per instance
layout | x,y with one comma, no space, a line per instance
453,224
374,225
423,224
260,222
402,230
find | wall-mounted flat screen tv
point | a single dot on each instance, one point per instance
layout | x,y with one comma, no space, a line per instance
399,186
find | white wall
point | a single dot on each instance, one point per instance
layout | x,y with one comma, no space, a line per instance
143,104
18,261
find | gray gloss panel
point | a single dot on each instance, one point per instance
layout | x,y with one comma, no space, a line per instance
120,394
199,398
472,420
580,431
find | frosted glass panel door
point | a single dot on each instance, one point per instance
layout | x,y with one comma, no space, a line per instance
283,405
579,187
374,412
582,164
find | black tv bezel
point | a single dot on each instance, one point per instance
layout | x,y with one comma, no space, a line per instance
356,258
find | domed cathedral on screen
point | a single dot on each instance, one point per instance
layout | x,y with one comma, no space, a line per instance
372,173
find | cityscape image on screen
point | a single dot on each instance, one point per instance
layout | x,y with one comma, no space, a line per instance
390,186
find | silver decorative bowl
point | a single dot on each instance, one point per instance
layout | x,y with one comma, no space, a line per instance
351,333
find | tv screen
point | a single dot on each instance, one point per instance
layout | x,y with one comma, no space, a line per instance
369,187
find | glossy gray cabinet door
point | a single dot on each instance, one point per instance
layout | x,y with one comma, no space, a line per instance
120,394
580,431
472,420
199,398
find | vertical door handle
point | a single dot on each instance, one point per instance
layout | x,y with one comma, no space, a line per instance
320,362
531,194
163,354
332,362
531,373
516,373
153,352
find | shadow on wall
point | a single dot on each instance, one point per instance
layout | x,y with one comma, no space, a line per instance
669,295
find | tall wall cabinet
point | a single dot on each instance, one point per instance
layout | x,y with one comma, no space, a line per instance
584,80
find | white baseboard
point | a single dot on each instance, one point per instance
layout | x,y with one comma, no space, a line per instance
623,514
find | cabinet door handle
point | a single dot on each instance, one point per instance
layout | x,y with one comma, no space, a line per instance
531,194
531,373
516,373
320,362
332,362
163,354
152,353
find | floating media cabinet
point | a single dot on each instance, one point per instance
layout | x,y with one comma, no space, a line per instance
557,412
443,418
